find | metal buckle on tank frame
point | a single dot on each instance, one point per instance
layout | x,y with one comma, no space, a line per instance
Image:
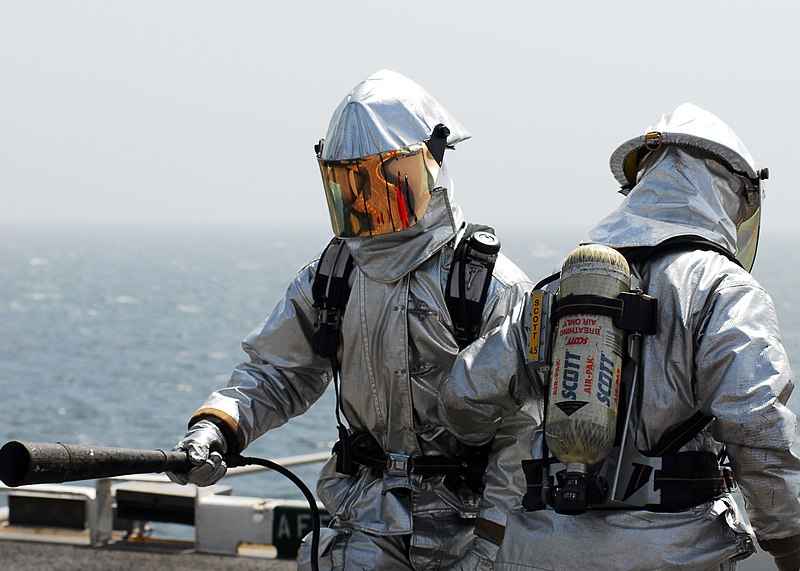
641,482
636,472
637,479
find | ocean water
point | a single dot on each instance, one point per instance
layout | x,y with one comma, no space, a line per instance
114,336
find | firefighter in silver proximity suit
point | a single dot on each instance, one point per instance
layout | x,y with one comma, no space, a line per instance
692,203
391,201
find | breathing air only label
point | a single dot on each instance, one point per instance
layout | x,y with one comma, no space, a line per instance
589,368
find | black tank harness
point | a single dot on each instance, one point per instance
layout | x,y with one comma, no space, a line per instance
465,296
684,479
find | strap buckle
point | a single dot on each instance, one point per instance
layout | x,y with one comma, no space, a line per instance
652,140
398,464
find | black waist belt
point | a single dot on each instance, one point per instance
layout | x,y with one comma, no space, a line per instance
685,480
364,450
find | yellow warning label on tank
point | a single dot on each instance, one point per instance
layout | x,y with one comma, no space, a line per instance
536,325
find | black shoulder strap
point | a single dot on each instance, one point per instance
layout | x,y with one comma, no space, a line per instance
548,280
331,290
469,280
682,433
473,263
677,244
465,294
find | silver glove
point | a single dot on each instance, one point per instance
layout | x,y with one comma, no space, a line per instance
204,445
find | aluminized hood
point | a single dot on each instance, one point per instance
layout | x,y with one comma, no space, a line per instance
385,112
679,194
688,175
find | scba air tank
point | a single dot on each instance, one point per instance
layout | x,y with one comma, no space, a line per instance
585,374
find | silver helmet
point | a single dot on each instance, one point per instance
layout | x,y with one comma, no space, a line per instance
695,128
383,154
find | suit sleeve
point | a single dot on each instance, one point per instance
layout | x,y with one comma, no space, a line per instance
744,381
283,376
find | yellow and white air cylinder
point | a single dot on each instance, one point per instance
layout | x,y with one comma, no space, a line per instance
586,364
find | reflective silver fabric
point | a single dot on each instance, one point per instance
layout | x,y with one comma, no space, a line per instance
718,351
700,539
703,135
439,542
686,125
679,193
397,347
725,324
385,112
366,191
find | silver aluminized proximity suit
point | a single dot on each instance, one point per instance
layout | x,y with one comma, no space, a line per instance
717,351
397,344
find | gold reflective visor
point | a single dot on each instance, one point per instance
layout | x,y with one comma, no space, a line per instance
747,240
381,193
747,232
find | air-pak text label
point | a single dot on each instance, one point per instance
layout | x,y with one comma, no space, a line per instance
588,367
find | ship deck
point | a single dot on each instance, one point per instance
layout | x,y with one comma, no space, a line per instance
35,556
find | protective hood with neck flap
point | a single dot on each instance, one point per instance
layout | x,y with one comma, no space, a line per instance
688,176
384,113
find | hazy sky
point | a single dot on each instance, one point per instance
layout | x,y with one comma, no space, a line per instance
207,112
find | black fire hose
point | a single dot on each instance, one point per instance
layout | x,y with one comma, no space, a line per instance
232,461
23,463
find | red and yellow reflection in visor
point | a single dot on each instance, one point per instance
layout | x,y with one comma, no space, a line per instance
380,193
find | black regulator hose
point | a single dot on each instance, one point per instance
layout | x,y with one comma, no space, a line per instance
236,460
